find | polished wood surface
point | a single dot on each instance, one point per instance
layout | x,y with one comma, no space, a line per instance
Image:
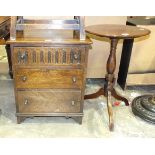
117,31
51,41
49,78
35,68
49,75
48,101
114,33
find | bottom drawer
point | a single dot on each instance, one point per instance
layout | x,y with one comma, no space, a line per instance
51,101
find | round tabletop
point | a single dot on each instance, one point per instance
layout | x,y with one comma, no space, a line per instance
117,31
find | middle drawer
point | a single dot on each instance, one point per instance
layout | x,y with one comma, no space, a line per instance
48,78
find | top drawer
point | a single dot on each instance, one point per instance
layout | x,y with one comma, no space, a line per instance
49,56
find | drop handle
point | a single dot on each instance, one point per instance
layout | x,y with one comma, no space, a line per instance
23,56
24,78
73,103
75,56
74,79
26,102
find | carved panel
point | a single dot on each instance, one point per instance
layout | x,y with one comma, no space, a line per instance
48,56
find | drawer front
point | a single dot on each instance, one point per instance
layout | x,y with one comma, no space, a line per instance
48,78
49,56
51,101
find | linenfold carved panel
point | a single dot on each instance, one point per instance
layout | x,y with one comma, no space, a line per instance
48,55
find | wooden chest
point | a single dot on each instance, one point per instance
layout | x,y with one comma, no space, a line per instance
49,78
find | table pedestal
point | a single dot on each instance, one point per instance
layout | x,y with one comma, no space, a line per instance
109,89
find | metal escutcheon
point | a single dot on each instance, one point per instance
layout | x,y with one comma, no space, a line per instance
24,78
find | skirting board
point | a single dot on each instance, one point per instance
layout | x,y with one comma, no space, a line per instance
140,79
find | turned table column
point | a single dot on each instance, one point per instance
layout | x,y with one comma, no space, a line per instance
111,65
114,33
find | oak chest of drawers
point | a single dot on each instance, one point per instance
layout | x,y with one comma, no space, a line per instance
49,78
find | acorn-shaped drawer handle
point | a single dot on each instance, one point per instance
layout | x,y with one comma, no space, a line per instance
24,78
74,79
26,102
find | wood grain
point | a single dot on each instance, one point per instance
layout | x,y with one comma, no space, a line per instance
48,78
50,56
117,31
42,101
49,74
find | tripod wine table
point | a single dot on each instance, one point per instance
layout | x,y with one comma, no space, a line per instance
114,33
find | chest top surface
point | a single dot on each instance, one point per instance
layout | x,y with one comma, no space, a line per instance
117,31
48,38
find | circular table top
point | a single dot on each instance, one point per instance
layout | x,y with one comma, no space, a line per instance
117,31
